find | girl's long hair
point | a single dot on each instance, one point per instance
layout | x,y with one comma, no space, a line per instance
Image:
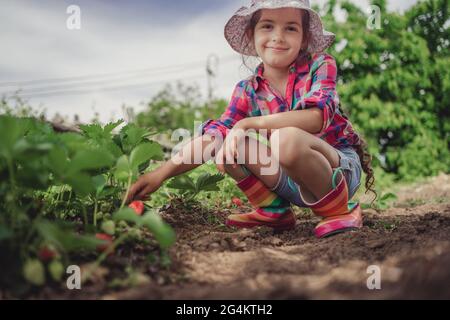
362,148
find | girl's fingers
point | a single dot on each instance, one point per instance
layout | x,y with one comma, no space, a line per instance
229,151
232,151
219,160
132,192
235,151
135,188
221,168
144,194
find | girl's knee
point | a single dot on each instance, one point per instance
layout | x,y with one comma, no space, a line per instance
289,144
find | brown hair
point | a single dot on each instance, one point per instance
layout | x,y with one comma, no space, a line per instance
365,158
362,148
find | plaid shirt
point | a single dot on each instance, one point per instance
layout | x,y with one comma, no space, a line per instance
309,85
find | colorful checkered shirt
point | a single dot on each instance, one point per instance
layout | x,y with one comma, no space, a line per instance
310,84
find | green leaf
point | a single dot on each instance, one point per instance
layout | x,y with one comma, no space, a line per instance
208,182
130,136
92,130
112,148
5,233
58,161
112,125
388,197
26,147
90,160
109,191
123,169
81,183
65,239
128,215
99,183
135,134
72,141
10,132
145,152
162,232
365,206
182,182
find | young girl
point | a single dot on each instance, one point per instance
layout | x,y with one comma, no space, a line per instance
293,97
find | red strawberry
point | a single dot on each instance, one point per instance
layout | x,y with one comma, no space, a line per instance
237,201
47,253
107,238
137,206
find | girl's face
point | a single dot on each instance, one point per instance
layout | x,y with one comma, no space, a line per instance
278,36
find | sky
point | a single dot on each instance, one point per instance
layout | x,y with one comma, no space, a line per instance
123,54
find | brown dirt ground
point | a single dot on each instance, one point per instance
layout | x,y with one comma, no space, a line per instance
410,242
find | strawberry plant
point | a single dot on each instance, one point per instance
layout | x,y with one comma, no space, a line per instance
382,203
54,189
190,188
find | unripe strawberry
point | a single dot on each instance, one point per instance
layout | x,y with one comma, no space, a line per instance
33,272
135,234
56,270
109,227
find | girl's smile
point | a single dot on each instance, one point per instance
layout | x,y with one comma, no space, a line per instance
278,49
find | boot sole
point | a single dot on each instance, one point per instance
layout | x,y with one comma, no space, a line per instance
336,226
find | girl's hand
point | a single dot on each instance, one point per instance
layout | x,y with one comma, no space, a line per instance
220,156
146,184
229,149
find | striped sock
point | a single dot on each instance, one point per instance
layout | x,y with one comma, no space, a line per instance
335,202
266,202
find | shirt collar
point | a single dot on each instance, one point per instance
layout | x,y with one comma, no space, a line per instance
296,67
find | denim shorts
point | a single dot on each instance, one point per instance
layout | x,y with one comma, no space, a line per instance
349,162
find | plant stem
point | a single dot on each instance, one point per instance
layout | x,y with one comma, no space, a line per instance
95,211
86,222
103,256
70,198
127,193
61,190
11,172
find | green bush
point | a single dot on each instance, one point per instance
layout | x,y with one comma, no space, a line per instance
394,83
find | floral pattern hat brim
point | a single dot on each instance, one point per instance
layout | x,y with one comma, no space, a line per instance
320,39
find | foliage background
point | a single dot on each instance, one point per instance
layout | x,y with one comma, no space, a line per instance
393,83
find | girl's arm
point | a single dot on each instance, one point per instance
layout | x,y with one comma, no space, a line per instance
185,160
310,120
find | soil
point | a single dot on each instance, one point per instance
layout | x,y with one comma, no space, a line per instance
409,242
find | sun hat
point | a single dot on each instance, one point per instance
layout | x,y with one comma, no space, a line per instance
319,40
